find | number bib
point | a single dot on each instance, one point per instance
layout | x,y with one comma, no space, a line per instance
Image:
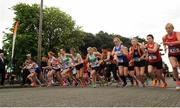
94,64
136,59
56,67
119,53
152,57
174,50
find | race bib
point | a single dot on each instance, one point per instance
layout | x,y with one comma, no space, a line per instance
135,53
56,67
94,65
174,50
152,57
118,53
136,59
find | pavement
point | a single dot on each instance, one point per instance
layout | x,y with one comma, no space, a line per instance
90,97
8,86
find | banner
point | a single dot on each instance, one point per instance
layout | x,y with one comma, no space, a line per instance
14,38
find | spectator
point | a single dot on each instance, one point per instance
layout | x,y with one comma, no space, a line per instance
2,68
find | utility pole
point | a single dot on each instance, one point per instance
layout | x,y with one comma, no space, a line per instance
40,33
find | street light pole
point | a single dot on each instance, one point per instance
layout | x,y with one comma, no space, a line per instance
40,33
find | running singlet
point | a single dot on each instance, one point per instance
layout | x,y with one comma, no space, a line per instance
75,58
153,56
93,60
65,61
136,54
119,54
175,49
54,63
32,67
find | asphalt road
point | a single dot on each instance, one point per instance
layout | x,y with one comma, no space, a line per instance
90,97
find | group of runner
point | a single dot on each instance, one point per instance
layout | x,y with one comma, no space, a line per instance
120,62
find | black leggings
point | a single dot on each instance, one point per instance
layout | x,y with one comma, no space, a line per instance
113,68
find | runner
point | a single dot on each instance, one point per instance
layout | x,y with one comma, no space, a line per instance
138,54
131,70
93,64
120,53
55,69
110,64
172,41
78,64
44,68
86,73
34,70
154,61
66,61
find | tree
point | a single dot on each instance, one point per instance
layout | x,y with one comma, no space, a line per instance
59,30
103,39
88,41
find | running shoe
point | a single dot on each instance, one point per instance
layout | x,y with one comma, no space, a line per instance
178,85
124,84
94,85
178,88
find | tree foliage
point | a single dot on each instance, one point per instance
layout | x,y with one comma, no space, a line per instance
59,30
103,39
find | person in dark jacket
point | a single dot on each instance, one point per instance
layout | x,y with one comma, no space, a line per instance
2,67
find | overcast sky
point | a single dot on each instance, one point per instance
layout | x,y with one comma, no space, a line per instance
125,17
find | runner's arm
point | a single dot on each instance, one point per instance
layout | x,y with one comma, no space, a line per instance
156,47
113,51
87,59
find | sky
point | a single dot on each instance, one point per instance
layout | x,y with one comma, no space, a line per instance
128,18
